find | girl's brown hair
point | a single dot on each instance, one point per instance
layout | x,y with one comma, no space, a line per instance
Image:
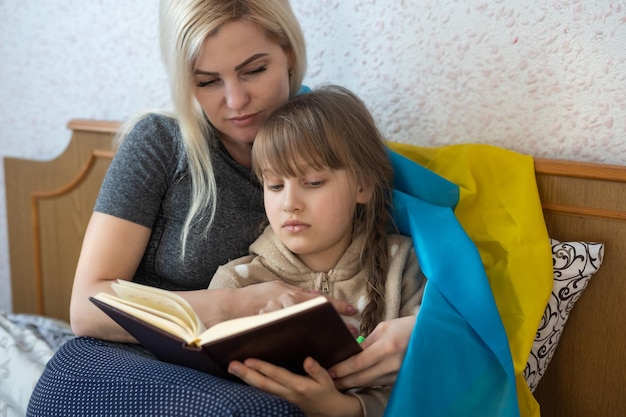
332,128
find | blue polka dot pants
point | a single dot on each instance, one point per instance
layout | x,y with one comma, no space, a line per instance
90,377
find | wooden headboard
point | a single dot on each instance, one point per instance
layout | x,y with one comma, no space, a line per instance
587,375
49,204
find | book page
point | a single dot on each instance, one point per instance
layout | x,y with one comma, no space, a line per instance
234,326
166,322
160,300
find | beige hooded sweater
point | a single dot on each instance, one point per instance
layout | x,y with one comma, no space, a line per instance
270,260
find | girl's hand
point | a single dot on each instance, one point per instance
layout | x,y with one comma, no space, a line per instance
280,295
315,394
382,356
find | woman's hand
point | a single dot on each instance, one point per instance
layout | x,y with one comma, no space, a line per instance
382,356
315,394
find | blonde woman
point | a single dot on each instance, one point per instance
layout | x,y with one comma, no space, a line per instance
178,201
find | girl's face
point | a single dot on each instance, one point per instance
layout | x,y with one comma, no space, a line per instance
240,77
312,214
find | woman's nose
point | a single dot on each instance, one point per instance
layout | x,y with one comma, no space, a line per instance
236,95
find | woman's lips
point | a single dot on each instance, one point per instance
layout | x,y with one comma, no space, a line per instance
243,121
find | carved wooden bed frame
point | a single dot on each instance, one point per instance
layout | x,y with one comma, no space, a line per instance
49,204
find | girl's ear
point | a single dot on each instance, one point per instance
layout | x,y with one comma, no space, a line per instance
364,193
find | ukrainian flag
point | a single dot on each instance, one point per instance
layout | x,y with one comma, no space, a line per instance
474,215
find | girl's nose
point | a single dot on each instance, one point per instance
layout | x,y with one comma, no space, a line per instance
291,201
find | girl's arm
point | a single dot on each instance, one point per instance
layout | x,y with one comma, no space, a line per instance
382,356
384,349
315,393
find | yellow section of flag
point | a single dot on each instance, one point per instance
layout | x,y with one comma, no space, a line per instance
500,210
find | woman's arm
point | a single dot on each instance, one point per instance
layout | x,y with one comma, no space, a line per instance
113,248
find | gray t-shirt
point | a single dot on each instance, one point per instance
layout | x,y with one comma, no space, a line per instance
148,183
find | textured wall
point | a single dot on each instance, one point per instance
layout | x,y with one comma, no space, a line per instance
543,78
62,60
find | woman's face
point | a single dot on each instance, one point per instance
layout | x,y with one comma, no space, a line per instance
239,78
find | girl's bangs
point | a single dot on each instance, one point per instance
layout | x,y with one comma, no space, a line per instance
288,151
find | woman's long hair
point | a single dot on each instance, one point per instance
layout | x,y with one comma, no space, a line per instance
184,26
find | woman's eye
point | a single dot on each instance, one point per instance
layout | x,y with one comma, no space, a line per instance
257,70
206,83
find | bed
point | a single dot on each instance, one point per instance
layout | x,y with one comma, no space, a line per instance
49,204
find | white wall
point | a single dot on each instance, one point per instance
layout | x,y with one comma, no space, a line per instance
543,78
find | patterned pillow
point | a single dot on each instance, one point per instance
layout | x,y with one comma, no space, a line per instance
574,264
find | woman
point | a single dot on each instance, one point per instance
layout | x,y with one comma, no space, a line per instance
177,202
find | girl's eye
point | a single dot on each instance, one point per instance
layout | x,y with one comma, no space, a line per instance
274,187
315,184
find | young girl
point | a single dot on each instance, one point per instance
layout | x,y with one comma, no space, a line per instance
326,185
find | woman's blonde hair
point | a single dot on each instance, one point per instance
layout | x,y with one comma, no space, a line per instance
332,128
184,26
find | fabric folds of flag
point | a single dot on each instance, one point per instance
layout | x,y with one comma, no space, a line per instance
459,360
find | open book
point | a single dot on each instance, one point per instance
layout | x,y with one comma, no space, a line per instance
166,325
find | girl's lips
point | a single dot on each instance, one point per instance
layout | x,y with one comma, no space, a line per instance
295,227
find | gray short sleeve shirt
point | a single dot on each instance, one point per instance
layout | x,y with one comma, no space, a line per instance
148,184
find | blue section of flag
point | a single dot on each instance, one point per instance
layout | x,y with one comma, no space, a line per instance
458,363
